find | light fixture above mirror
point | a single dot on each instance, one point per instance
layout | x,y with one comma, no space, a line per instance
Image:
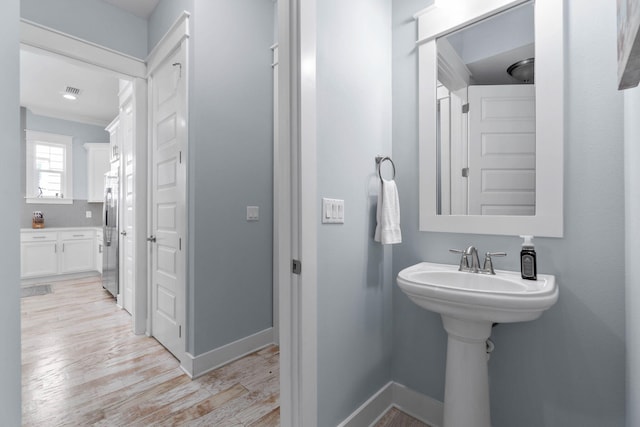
539,193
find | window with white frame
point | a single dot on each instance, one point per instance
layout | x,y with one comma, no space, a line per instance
49,168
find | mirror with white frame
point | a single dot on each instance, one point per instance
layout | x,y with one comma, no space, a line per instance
518,191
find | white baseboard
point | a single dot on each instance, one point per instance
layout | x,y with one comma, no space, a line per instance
425,408
419,406
195,366
371,410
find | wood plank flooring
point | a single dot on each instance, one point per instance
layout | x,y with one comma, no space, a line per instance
397,418
82,365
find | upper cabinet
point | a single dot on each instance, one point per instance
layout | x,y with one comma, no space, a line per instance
98,163
114,139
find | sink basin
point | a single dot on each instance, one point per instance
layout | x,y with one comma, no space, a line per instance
501,298
469,304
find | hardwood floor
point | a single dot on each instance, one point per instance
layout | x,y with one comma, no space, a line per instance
82,365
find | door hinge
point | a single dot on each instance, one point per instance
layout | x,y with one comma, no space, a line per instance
180,243
296,267
465,172
180,157
465,108
179,331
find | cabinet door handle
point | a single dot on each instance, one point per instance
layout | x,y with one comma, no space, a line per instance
63,247
55,248
99,248
38,237
78,235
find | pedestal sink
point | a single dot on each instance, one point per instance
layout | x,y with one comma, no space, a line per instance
470,303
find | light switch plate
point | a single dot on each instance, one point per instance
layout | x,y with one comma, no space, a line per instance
88,214
253,213
332,211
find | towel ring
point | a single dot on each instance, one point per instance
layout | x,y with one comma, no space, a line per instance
379,161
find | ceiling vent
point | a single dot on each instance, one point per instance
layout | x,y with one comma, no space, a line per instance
72,90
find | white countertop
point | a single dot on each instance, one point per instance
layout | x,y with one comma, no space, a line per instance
39,230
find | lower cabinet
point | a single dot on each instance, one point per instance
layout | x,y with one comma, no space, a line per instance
98,250
49,253
38,255
77,253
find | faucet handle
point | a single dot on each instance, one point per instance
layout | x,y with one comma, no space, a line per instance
464,261
488,264
492,254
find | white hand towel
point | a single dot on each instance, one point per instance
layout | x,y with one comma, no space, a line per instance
388,214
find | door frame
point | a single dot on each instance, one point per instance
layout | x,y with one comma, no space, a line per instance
177,37
297,206
75,50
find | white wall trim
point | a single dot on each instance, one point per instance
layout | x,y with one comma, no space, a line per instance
297,141
196,366
419,406
169,42
372,410
64,115
40,37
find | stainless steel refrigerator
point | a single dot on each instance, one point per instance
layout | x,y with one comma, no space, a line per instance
110,265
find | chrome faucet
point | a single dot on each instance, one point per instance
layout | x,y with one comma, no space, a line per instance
472,252
475,262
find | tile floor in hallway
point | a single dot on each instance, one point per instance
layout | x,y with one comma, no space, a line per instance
82,365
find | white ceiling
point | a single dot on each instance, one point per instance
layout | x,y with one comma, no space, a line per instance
141,8
43,79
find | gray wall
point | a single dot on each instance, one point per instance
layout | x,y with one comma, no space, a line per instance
230,167
10,401
632,247
163,16
92,20
566,368
65,215
354,272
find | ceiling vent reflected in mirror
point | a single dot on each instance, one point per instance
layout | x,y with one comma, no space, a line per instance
523,71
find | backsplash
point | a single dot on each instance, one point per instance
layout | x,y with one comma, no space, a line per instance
73,215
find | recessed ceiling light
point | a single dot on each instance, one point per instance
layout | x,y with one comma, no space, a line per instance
69,96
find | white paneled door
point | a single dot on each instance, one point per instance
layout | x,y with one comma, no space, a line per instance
502,150
127,253
168,195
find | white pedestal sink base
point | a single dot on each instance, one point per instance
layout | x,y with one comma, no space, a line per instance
466,392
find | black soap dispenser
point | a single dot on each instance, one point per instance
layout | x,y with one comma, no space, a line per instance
528,265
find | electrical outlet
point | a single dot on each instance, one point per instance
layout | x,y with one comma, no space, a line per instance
88,214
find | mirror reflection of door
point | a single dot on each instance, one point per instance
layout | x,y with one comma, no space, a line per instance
486,117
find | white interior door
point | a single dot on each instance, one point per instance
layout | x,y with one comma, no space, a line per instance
127,229
168,195
502,150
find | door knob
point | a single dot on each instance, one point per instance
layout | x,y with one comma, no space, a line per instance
124,233
151,238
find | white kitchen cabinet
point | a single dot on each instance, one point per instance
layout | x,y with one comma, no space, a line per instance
98,250
61,251
98,163
77,251
38,254
114,139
